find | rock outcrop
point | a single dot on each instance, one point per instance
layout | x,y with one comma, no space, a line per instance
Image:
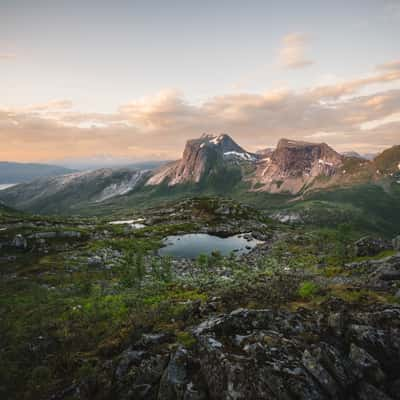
294,165
332,353
368,246
200,158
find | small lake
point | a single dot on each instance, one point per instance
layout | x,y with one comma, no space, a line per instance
193,244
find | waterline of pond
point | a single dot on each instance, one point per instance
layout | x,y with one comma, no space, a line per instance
193,244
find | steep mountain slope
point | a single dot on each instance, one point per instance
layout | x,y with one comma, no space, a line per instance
12,172
294,165
72,191
201,158
388,162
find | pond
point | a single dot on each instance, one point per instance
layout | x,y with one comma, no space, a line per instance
194,244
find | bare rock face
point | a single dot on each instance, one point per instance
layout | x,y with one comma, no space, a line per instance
268,354
200,157
295,165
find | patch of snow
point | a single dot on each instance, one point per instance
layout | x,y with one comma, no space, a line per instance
216,139
3,229
323,162
126,221
244,156
121,188
7,185
286,217
202,145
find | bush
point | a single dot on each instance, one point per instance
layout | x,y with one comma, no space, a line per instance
307,289
186,339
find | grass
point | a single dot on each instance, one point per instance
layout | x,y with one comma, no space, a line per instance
308,289
61,319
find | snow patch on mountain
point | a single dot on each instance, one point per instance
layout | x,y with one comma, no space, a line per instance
244,156
120,188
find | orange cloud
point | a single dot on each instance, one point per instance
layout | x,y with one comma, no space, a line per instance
7,56
158,126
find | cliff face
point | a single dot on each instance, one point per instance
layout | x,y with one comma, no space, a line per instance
200,157
294,165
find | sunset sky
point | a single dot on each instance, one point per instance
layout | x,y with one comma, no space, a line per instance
133,80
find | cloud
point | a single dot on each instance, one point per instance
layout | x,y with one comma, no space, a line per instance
391,66
7,56
158,126
292,53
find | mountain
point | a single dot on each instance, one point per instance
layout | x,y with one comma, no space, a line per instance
213,165
388,162
353,154
201,158
12,172
72,191
294,165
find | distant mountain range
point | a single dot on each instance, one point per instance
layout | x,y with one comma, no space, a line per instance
13,172
211,164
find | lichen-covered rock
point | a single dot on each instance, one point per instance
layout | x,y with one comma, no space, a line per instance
270,354
368,246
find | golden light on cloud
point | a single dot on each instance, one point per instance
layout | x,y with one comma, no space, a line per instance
7,56
157,127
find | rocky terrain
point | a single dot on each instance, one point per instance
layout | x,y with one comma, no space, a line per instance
90,310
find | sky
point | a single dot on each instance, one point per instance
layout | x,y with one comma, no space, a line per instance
130,80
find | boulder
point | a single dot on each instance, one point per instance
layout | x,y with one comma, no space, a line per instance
20,242
396,243
95,261
368,246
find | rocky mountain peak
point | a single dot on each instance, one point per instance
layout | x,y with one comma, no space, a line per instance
200,157
295,164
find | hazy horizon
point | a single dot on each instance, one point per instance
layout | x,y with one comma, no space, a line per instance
131,81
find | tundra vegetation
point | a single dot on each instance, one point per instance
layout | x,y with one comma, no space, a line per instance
77,293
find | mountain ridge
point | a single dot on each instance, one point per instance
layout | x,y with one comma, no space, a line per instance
15,172
211,164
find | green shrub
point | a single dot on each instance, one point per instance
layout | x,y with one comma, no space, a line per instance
185,339
307,289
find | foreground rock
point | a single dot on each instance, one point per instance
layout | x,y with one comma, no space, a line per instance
333,353
368,246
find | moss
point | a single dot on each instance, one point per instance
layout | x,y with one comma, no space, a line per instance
308,289
382,254
186,339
